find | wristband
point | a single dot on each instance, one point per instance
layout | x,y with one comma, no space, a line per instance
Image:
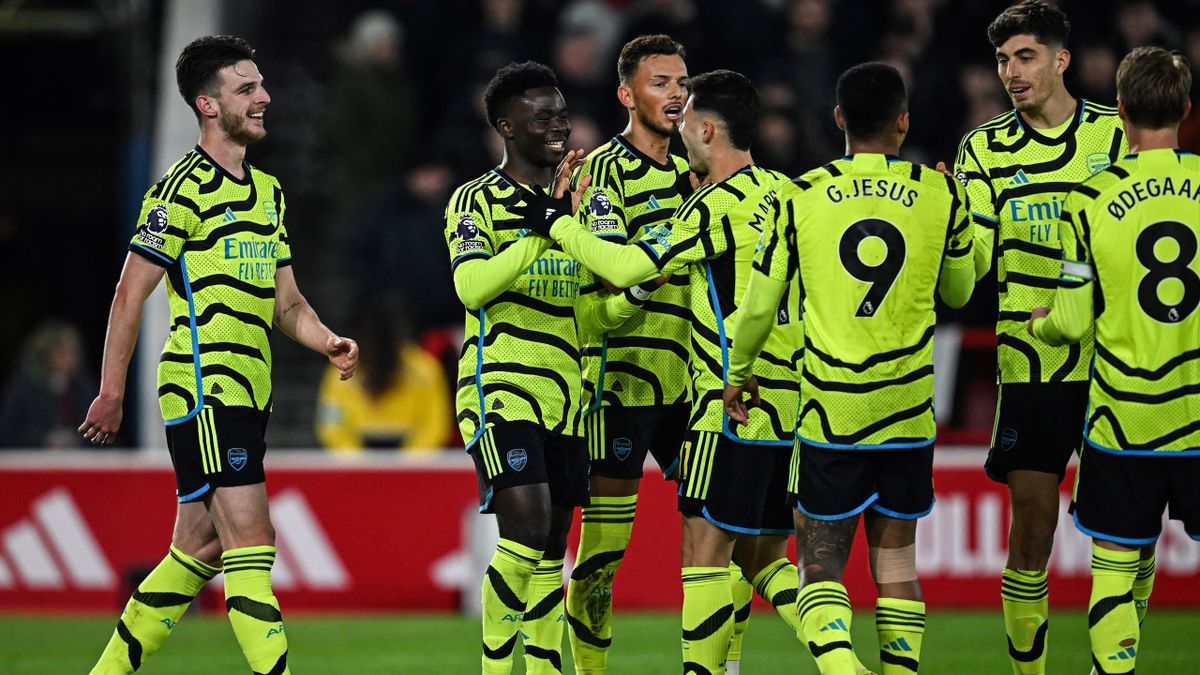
637,295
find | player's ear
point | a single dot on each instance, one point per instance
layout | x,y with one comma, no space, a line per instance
1122,114
1064,59
505,127
902,123
207,105
838,119
625,95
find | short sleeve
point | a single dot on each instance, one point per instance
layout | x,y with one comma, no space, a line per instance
283,255
961,230
163,227
774,256
468,230
981,202
684,239
602,207
1077,257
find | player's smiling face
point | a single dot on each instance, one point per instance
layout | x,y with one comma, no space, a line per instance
242,103
1031,72
541,125
658,91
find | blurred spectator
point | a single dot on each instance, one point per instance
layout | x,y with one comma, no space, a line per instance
586,76
373,109
397,249
1189,131
983,96
47,397
806,63
1140,23
1096,76
398,398
681,20
776,145
585,133
600,18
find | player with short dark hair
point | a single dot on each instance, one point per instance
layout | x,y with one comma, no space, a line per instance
519,387
871,239
1017,169
732,483
636,375
1131,264
214,227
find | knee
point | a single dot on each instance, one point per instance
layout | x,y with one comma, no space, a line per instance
531,533
556,541
206,549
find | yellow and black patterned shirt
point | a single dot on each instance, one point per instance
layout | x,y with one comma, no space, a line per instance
520,360
1016,178
869,238
713,237
220,239
1133,232
644,362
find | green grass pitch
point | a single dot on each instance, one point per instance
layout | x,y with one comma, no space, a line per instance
956,643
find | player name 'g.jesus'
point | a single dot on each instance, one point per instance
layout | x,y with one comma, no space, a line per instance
874,187
1142,190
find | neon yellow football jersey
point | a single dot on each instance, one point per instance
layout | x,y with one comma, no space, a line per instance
714,236
221,240
520,360
868,236
644,362
1133,230
1016,178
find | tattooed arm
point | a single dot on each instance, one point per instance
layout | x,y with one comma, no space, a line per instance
299,320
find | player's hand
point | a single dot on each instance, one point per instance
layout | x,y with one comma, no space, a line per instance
941,166
103,421
1036,313
537,213
562,175
737,409
342,353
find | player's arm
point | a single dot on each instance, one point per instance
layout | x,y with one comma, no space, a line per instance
958,274
756,317
775,263
1072,311
299,321
481,271
600,312
138,279
479,280
981,204
551,215
1069,318
602,211
622,265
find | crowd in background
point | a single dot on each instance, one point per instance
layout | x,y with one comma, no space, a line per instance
377,116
